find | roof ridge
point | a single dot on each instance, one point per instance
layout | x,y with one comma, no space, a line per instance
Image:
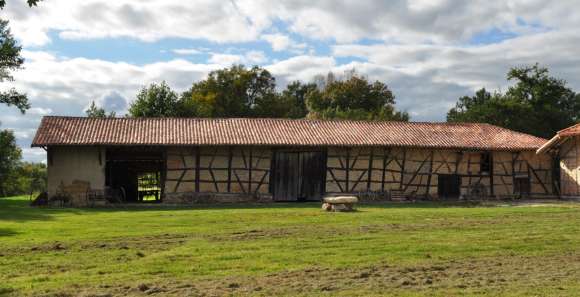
281,119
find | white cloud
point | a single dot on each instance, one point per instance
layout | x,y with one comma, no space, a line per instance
144,20
403,21
279,42
250,58
187,51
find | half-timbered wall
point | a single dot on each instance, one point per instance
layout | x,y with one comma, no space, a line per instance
243,170
570,167
411,172
414,172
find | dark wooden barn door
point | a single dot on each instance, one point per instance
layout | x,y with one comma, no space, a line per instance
449,186
286,176
298,176
312,177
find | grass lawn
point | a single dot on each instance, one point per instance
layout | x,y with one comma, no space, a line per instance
290,250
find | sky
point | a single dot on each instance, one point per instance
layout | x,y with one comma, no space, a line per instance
429,52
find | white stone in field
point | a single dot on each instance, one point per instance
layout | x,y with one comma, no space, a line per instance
341,200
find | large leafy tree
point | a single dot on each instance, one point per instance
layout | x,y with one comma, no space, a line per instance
10,156
353,98
232,92
156,100
537,104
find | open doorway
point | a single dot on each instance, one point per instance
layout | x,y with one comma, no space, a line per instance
448,186
137,173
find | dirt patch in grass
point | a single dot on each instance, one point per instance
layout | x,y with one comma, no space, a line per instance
490,276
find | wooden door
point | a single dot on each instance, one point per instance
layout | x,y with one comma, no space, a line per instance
312,176
448,186
298,176
286,176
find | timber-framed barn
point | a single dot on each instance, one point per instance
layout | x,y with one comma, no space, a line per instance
188,160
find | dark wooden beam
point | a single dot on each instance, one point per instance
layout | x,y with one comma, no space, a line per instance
260,183
385,156
347,168
230,158
491,173
370,170
416,173
197,162
430,172
250,171
531,169
403,168
335,179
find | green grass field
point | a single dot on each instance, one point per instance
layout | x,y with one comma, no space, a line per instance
290,250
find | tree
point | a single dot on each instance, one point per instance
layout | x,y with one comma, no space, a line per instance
98,112
294,97
232,92
10,156
537,104
156,100
10,60
353,98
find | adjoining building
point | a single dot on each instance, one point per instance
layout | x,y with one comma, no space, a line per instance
565,148
242,159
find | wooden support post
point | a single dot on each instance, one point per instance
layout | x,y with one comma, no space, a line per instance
197,164
250,172
514,156
163,174
403,168
430,173
230,157
346,188
370,170
384,169
491,172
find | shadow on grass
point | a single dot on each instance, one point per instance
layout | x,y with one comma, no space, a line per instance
7,232
18,209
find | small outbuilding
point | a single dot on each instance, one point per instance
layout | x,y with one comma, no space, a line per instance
189,160
564,147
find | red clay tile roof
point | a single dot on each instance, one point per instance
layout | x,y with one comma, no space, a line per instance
560,137
570,131
277,132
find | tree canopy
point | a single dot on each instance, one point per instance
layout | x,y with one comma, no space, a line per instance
241,92
156,100
353,98
537,103
10,60
232,92
98,112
